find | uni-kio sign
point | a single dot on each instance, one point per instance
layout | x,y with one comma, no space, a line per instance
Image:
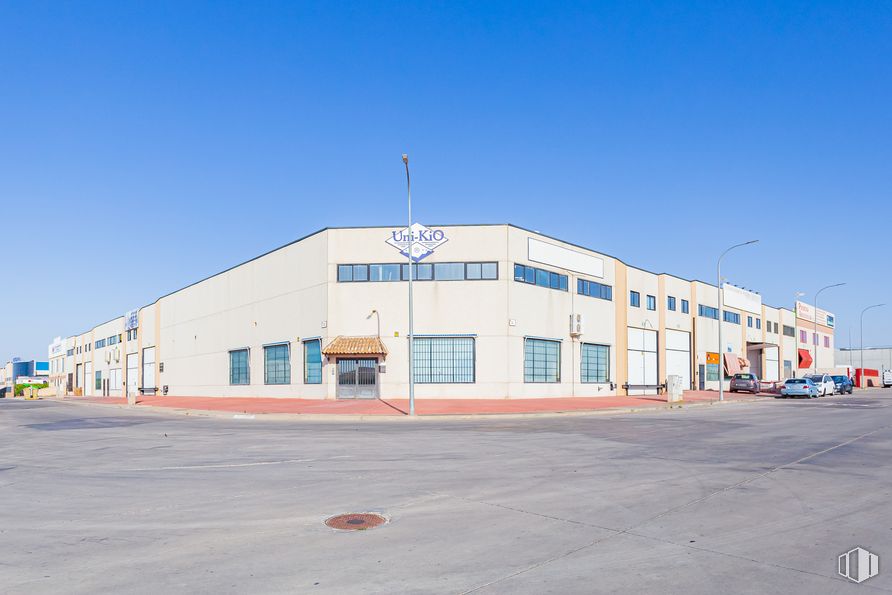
423,239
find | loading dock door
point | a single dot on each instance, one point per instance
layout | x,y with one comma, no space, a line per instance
642,356
772,364
678,356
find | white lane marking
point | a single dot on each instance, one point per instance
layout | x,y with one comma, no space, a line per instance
232,465
243,416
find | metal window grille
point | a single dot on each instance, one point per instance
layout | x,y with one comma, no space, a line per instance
277,364
541,360
444,360
595,362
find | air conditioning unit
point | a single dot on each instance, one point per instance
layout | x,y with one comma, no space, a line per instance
577,325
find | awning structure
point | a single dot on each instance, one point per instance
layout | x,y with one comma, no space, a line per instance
743,362
804,358
355,346
732,364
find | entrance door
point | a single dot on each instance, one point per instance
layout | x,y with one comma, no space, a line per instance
678,356
148,370
89,384
79,379
132,374
358,378
642,358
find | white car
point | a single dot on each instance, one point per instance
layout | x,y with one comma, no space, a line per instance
825,384
887,378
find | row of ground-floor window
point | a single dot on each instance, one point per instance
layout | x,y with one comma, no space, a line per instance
438,360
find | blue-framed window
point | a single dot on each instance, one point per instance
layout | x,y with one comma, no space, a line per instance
444,360
670,303
594,289
759,323
277,364
749,321
634,299
540,277
685,307
313,361
239,371
100,343
732,317
708,312
439,271
541,360
595,363
651,302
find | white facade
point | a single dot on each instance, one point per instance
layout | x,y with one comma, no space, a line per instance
495,322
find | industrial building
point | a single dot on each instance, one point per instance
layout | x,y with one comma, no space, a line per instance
500,312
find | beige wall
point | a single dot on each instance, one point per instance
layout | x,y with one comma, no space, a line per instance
291,294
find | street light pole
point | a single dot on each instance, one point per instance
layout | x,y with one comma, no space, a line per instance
815,338
862,338
718,269
411,305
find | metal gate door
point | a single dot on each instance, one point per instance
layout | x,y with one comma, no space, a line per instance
358,378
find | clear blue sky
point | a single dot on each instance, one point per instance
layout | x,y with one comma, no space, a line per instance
654,133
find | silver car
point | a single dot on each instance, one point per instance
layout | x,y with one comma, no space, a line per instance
825,384
799,387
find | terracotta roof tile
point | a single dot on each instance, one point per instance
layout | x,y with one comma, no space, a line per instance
342,345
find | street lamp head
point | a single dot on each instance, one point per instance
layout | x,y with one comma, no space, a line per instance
405,159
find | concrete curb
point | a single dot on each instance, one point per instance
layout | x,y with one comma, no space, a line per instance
346,417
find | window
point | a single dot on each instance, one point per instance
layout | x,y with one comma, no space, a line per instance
685,307
540,277
481,270
541,360
789,331
712,371
803,337
814,338
239,371
98,379
595,363
594,289
749,321
708,312
100,343
441,271
826,341
277,364
732,317
775,328
70,352
759,323
313,361
444,360
829,320
113,339
670,303
384,272
634,299
421,272
651,302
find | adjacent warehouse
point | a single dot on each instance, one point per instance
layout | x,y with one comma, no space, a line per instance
500,311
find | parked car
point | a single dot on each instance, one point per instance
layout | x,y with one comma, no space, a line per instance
843,384
887,378
745,382
825,384
799,387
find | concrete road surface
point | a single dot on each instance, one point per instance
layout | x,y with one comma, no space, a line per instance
744,498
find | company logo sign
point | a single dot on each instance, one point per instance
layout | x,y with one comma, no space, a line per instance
131,320
858,565
422,239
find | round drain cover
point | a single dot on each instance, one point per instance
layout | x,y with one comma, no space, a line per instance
356,521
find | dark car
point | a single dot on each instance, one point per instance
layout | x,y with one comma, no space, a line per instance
843,384
745,382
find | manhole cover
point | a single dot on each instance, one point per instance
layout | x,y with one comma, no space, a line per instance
356,521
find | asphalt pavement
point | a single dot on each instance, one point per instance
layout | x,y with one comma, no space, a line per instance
746,498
